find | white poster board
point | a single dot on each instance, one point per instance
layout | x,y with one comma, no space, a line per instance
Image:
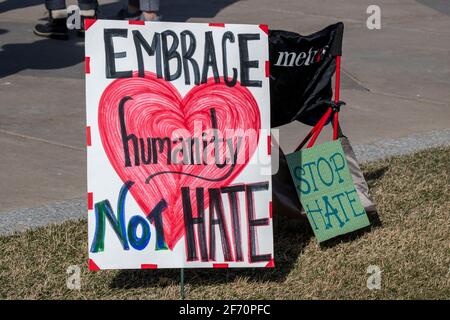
178,145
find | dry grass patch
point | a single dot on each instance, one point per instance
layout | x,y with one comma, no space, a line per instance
411,248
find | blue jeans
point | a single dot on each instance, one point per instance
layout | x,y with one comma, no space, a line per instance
61,4
145,5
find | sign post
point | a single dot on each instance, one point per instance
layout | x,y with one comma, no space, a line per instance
182,284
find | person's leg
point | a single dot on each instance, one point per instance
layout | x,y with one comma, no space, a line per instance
140,9
56,26
130,12
56,8
149,5
150,9
88,4
55,4
88,9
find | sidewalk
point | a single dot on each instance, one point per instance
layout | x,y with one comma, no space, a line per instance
396,82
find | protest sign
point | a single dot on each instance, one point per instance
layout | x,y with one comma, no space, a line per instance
326,190
178,128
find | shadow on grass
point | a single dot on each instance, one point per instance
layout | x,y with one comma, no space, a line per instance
375,222
290,238
374,175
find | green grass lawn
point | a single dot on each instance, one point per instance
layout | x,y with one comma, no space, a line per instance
411,247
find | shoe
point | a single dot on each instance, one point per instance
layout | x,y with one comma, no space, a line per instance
54,29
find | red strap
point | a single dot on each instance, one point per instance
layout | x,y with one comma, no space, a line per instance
322,122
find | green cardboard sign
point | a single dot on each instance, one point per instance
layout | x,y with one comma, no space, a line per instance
326,190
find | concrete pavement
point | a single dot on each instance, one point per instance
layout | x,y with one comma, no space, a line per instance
396,83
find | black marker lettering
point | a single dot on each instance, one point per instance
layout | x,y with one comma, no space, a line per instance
187,54
230,37
170,54
140,42
247,64
210,60
111,55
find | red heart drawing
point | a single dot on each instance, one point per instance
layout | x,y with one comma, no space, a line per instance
156,109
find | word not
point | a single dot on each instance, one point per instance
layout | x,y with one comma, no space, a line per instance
128,235
178,59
